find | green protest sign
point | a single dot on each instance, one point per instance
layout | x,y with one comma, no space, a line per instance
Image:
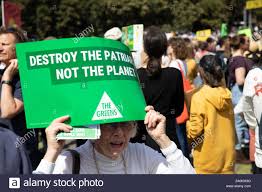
223,30
94,81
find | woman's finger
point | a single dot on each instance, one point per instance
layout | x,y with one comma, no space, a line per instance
154,119
148,108
55,128
149,118
61,119
15,65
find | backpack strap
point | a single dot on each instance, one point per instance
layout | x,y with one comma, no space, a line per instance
75,161
181,70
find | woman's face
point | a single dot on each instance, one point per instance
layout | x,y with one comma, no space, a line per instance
170,52
245,46
114,138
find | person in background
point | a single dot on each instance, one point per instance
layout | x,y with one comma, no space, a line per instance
162,86
13,159
223,51
238,68
178,53
211,45
11,101
211,125
252,109
202,50
191,63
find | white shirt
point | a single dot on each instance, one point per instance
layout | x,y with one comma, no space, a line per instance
252,106
180,65
139,158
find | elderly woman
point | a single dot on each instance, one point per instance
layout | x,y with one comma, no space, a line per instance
113,154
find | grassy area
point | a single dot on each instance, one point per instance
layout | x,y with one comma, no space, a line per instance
243,169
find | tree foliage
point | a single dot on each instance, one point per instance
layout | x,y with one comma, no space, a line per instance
65,18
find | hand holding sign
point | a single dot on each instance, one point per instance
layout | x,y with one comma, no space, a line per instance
55,146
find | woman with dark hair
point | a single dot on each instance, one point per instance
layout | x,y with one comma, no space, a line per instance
211,124
238,69
162,86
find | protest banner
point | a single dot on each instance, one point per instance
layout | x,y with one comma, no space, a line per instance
203,34
223,30
253,4
133,36
93,81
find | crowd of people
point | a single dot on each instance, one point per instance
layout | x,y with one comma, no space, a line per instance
204,106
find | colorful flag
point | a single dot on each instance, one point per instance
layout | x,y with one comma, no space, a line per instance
11,14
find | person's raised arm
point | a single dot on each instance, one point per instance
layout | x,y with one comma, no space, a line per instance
54,146
156,127
10,106
240,74
175,162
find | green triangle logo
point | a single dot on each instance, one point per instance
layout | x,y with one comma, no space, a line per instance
106,109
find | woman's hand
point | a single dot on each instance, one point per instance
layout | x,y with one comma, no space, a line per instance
54,146
156,127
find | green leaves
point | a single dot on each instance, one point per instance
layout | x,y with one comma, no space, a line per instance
64,18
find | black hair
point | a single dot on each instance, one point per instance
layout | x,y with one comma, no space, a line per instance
237,41
203,45
210,40
155,45
256,57
259,63
221,41
212,68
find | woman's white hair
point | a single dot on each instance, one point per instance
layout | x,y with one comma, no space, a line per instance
134,130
